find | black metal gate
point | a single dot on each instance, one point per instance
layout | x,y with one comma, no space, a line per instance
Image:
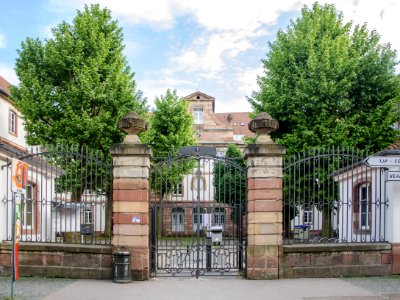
331,195
67,199
198,204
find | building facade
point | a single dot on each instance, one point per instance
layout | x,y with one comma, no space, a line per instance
182,216
217,129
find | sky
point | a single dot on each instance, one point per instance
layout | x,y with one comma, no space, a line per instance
212,46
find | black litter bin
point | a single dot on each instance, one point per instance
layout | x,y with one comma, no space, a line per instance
122,267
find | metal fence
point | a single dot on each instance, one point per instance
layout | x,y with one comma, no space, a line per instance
332,196
67,200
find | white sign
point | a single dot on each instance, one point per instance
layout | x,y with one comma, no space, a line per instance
383,161
135,219
393,176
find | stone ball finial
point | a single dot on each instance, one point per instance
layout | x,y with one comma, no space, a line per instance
263,125
132,124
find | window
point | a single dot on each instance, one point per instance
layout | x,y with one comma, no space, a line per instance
219,216
238,137
88,217
28,208
178,217
178,189
12,122
362,206
308,216
241,123
198,115
197,218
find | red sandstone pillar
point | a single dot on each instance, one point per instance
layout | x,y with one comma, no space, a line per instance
264,216
131,161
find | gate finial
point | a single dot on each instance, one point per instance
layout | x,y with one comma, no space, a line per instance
263,125
132,124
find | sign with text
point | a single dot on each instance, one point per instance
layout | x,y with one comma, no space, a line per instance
19,176
393,176
383,161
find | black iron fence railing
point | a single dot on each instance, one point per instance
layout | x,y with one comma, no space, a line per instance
332,196
67,197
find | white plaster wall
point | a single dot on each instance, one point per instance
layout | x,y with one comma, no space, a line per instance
5,106
345,226
393,216
3,196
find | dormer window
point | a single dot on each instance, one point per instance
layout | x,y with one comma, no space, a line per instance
198,115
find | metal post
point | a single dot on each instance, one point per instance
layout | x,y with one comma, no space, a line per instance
240,238
198,220
154,239
208,255
13,245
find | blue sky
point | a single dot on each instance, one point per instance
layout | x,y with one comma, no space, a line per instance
214,46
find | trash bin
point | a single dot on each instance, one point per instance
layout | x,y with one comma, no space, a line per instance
122,267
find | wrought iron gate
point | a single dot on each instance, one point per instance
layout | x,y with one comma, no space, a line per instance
198,204
67,199
332,196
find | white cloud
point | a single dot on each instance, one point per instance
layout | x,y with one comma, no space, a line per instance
2,41
158,13
160,82
233,15
8,73
246,80
227,31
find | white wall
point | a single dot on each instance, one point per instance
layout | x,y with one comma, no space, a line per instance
393,216
5,106
348,182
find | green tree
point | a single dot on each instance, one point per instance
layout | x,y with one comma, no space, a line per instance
328,85
230,177
74,88
170,128
77,85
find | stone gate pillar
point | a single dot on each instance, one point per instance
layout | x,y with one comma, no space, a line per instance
264,216
131,161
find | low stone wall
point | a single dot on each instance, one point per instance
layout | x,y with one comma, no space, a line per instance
59,260
336,260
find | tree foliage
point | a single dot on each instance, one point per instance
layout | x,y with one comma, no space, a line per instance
76,86
328,84
230,179
171,127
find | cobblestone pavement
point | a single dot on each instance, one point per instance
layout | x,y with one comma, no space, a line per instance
355,288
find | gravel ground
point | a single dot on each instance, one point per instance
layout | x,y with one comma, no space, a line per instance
29,288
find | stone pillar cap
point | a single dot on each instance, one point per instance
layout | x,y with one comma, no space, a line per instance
263,125
132,124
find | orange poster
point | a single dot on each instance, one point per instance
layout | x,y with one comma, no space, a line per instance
19,176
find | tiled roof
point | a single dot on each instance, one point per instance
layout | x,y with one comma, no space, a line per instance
237,120
394,146
4,84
